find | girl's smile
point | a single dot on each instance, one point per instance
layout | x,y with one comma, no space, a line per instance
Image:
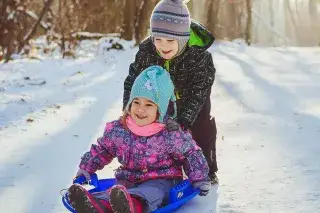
143,111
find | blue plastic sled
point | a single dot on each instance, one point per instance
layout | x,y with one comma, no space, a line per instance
179,195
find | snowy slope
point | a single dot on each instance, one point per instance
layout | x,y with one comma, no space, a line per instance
267,106
265,102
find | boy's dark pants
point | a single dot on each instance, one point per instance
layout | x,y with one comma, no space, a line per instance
204,132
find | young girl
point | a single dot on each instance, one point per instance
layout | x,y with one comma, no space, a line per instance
180,46
151,157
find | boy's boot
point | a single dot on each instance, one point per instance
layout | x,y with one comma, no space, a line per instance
122,202
213,178
83,202
212,168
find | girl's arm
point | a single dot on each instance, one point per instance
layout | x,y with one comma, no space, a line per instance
190,155
99,155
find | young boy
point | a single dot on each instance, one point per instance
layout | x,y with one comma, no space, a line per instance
180,46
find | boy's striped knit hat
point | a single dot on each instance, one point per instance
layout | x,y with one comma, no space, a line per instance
171,19
154,84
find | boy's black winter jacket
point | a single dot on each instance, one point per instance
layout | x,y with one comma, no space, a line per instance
192,72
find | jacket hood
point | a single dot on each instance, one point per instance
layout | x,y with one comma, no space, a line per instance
200,36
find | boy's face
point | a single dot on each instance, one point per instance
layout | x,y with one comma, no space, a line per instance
143,111
167,47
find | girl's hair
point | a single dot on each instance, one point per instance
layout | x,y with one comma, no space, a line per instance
123,119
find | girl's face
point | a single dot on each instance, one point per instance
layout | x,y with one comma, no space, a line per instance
167,48
143,111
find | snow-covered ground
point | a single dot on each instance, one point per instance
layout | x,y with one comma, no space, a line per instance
266,102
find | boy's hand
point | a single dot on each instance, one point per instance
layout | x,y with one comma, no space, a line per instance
172,125
204,187
84,173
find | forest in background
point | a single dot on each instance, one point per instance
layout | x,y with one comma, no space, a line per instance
66,22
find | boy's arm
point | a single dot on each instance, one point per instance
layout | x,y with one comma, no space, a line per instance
99,155
128,84
197,91
134,70
190,155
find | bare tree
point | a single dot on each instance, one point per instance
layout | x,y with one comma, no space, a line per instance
29,35
142,19
213,8
18,25
127,30
292,22
232,19
248,32
65,26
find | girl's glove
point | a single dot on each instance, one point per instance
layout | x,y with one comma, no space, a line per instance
84,173
204,187
172,125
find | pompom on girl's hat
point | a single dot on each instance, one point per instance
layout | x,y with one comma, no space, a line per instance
171,19
154,84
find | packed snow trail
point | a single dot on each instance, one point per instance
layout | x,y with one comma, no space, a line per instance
39,158
267,106
264,99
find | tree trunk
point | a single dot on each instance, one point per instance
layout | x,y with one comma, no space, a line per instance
142,19
272,22
127,30
212,21
34,28
232,27
248,33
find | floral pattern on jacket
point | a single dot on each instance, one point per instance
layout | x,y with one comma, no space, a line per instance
143,158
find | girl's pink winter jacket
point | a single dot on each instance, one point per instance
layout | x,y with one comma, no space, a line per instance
143,158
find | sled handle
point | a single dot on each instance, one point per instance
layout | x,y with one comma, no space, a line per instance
93,180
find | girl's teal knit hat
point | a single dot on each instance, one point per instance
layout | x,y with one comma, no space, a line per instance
154,84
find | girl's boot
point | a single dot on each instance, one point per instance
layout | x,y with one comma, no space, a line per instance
83,202
122,202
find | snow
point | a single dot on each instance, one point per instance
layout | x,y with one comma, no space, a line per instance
265,101
268,111
88,34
